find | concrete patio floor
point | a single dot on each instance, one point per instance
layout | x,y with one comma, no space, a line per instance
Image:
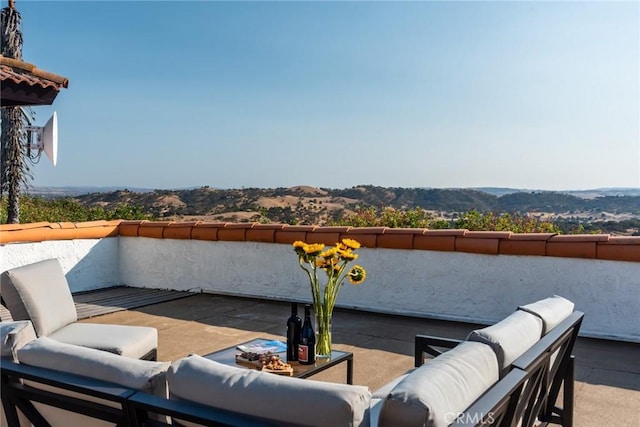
607,372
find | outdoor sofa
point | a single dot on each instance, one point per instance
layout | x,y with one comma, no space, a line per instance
508,374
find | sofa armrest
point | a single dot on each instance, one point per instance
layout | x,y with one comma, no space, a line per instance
500,402
430,345
85,391
144,405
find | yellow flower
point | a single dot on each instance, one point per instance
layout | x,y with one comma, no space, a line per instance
313,249
298,244
348,255
357,275
351,244
329,253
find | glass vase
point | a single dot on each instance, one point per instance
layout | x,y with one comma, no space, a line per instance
323,337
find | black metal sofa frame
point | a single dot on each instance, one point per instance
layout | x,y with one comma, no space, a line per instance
525,396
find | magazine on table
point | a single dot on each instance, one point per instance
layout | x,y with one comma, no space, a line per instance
263,347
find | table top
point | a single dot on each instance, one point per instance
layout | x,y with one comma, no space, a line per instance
227,356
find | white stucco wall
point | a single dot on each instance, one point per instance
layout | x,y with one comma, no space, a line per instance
446,285
87,263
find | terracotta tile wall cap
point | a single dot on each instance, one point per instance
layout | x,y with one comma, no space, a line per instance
575,248
89,224
269,226
487,234
332,229
288,236
327,238
239,225
622,240
580,238
304,228
210,224
130,228
452,232
15,227
234,232
179,230
366,230
263,235
154,229
488,246
602,246
396,240
618,252
522,247
205,231
66,225
414,231
531,236
435,242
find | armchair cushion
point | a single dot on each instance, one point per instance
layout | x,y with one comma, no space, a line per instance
269,396
436,392
39,292
510,337
124,340
552,311
14,335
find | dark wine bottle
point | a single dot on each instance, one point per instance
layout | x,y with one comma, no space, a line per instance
307,345
294,326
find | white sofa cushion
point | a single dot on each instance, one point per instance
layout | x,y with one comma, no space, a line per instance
552,311
435,393
125,340
132,373
14,335
268,396
39,292
510,337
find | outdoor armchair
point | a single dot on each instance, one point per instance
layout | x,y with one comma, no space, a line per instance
39,292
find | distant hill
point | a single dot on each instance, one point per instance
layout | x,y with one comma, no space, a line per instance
585,194
310,205
76,191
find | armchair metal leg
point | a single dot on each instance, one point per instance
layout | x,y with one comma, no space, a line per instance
568,395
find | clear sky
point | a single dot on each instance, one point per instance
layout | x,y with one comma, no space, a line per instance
536,95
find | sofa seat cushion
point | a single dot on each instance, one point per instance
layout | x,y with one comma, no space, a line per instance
128,372
510,337
14,335
552,311
39,292
124,340
436,392
271,397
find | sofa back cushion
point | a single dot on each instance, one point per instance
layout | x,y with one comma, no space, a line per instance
268,396
39,292
435,393
552,311
510,337
13,336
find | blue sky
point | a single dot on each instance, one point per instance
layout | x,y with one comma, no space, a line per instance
537,95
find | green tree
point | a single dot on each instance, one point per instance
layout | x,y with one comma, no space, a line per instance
14,169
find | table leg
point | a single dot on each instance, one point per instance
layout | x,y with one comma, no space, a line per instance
350,371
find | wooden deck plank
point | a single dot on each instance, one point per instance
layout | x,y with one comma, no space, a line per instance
117,298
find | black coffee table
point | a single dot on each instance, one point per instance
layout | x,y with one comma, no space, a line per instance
227,356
